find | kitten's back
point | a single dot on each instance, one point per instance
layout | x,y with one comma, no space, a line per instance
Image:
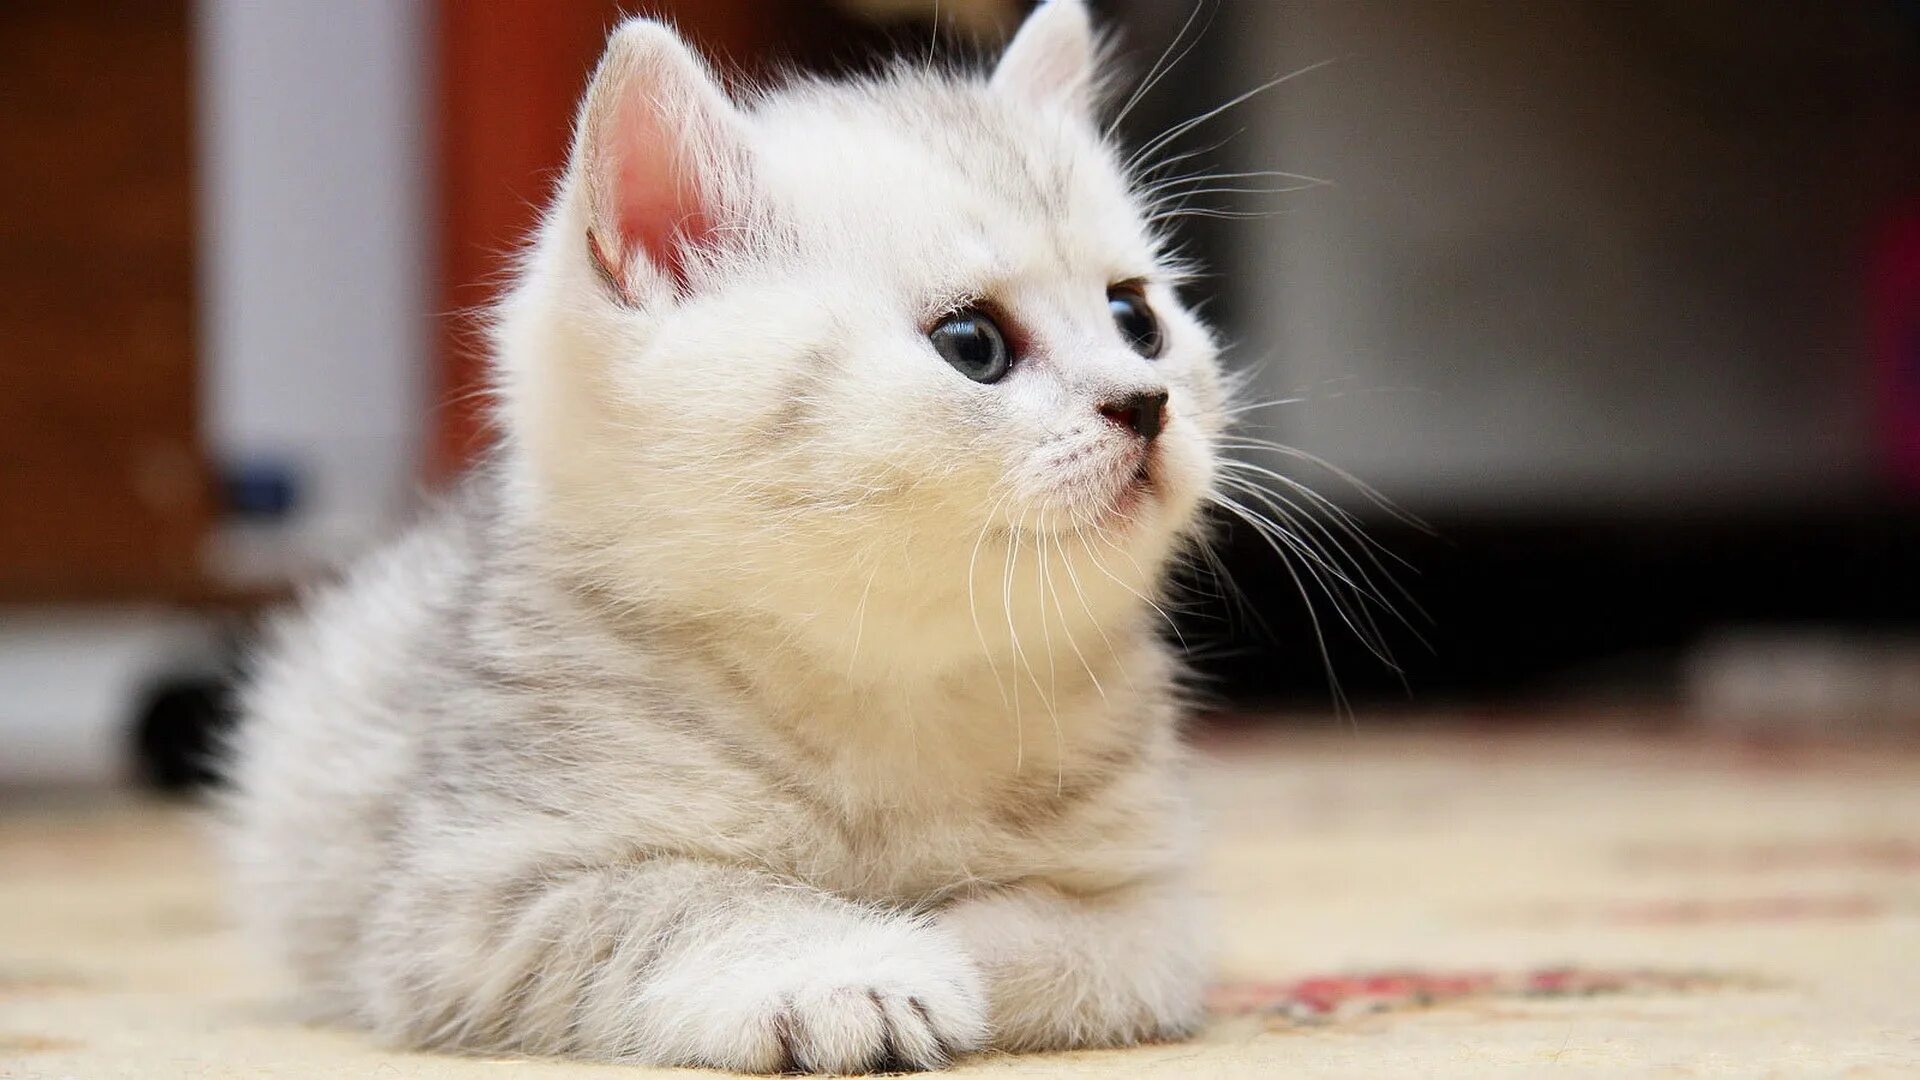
327,749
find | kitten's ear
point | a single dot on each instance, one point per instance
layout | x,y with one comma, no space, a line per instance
659,157
1050,61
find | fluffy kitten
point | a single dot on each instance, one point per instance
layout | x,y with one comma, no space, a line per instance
785,693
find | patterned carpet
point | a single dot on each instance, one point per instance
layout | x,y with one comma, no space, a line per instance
1433,904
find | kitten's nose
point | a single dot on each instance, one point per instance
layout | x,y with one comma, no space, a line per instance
1143,412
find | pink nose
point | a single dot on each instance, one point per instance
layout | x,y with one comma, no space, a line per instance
1143,412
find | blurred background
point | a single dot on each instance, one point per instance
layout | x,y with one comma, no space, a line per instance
1616,303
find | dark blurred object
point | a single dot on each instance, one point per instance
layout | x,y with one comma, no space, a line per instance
179,731
260,490
105,485
1896,301
1799,683
1519,609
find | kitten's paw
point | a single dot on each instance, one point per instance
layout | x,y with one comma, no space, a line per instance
854,1029
884,998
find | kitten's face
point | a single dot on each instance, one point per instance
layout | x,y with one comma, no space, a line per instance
857,340
979,321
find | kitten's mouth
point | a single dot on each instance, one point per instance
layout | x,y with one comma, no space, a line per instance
1118,505
1134,493
1140,483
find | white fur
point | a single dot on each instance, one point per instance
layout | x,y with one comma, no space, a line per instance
778,698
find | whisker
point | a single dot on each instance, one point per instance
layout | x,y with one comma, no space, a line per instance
1341,704
1278,537
1160,141
973,602
1374,496
1369,548
1155,74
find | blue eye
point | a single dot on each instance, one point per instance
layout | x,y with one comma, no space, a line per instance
972,342
1135,320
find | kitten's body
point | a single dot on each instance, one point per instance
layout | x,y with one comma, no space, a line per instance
729,717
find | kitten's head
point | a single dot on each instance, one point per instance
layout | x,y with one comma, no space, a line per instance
896,361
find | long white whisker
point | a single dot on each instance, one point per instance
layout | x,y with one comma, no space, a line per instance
1356,613
1341,704
1100,566
1364,488
1072,642
1368,547
1073,577
973,601
1155,74
1053,679
1316,567
1013,636
1177,130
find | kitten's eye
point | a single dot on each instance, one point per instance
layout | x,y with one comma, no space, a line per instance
972,342
1136,320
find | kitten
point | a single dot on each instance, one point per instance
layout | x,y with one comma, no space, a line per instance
785,693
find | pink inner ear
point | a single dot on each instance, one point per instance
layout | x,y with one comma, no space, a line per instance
662,225
655,202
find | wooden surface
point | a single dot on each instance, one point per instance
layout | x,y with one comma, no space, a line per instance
101,478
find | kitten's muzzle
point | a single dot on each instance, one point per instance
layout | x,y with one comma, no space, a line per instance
1143,412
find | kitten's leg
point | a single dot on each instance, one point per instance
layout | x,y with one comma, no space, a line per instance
1063,971
672,962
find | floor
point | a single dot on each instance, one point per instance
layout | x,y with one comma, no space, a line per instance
1433,902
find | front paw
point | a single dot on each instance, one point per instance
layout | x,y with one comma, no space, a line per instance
891,996
1075,973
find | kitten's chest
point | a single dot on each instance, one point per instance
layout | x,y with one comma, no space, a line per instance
916,856
912,795
931,836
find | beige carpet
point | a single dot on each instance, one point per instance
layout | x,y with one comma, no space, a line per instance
1436,905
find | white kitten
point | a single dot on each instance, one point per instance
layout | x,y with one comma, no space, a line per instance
785,693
